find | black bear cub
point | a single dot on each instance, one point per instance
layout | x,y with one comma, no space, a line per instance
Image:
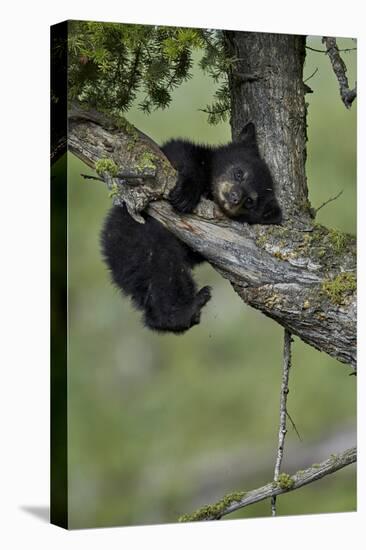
149,264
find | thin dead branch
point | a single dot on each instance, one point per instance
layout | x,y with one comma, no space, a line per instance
283,411
329,200
340,69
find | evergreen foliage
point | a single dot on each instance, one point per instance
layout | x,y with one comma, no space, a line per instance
113,64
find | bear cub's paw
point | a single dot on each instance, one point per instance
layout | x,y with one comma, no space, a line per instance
185,196
203,296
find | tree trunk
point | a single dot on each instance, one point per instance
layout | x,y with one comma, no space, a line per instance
266,85
300,274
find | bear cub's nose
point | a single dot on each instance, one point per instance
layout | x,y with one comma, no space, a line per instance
235,197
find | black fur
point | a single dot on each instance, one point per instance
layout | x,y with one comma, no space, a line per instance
149,264
153,267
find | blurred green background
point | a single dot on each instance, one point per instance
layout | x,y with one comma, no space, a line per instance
160,425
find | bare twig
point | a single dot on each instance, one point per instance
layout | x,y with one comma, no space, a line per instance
329,200
87,177
124,176
312,74
340,70
283,411
235,501
326,51
293,425
214,111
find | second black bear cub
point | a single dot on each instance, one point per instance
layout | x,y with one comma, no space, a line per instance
149,264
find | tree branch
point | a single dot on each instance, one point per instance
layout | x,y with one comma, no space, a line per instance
286,484
326,51
340,69
286,272
283,411
312,74
331,199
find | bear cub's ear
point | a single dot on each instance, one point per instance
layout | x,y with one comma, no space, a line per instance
247,136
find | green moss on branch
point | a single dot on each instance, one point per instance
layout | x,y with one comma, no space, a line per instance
106,166
213,510
322,246
146,162
340,288
285,481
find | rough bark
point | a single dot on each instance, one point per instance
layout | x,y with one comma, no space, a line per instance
283,271
266,85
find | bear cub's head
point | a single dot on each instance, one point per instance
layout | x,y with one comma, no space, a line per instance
242,184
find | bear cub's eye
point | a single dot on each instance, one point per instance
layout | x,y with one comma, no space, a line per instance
238,174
